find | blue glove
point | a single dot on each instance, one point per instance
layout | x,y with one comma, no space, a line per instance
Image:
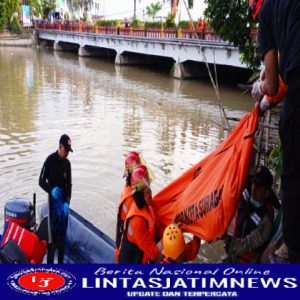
57,193
66,208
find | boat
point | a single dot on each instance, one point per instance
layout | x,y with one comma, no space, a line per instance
85,243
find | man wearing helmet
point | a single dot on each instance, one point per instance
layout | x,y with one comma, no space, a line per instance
138,240
132,160
279,31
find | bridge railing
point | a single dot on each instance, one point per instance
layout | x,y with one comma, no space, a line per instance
166,33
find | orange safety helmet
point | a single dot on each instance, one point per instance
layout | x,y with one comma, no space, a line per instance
140,178
131,161
255,7
173,242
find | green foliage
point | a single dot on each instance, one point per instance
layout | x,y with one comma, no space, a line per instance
36,8
3,14
275,159
11,7
153,24
185,24
14,26
170,21
230,21
153,9
108,23
47,7
137,23
7,10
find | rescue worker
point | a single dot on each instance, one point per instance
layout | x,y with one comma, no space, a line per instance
131,161
190,29
199,28
56,179
253,224
138,240
175,250
279,32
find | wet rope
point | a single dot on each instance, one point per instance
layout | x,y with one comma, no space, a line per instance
214,83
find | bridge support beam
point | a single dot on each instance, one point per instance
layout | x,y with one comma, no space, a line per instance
121,59
82,51
57,47
180,71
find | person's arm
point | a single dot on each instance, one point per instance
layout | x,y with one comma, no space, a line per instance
192,248
69,183
43,179
270,83
254,240
142,238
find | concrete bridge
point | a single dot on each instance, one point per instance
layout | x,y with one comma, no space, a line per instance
183,54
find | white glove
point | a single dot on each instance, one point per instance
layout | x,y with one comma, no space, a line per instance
256,92
264,104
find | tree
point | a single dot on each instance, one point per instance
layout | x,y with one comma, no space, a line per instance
36,8
231,22
3,14
7,10
47,7
153,9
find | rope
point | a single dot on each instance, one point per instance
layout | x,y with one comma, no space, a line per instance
214,83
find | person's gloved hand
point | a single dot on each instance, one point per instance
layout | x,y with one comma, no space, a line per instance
256,92
55,192
66,208
264,104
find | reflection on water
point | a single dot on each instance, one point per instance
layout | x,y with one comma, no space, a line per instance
107,110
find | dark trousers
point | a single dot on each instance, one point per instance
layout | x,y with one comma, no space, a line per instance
289,131
59,244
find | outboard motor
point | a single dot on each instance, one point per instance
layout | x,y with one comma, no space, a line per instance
20,211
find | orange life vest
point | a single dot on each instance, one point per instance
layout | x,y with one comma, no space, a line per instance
123,209
29,243
129,251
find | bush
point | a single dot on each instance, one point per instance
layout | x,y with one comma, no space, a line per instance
185,24
14,26
108,23
153,24
170,21
137,23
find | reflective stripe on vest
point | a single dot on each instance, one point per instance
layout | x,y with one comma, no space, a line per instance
148,216
26,240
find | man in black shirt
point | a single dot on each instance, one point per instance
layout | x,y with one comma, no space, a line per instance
279,42
56,173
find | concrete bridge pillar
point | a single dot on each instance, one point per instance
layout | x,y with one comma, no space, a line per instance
180,71
82,51
57,47
121,59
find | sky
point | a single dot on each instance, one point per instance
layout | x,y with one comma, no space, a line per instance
118,9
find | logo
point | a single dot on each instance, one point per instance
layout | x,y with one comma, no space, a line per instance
41,281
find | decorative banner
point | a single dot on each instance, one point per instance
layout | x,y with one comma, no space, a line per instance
26,16
159,281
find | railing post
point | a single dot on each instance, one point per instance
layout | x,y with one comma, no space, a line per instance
162,32
131,30
179,33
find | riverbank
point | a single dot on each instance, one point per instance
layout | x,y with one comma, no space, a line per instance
17,40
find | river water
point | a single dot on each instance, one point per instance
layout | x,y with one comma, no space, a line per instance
107,110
